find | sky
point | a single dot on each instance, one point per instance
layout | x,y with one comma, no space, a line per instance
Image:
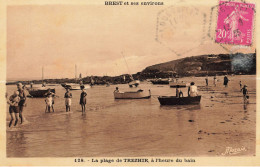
102,40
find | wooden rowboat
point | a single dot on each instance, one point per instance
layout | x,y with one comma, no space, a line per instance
39,92
140,94
173,100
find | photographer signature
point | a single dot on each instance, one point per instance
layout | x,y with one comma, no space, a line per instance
233,151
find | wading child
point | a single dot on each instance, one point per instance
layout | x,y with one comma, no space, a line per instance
49,93
14,107
68,97
49,103
83,100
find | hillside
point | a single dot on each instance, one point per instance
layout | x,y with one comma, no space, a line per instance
238,63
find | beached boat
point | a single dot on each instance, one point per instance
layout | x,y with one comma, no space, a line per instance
52,85
134,83
39,92
173,100
73,86
140,94
160,81
180,84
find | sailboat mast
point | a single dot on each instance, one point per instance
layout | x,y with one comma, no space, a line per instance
127,67
42,73
75,72
126,63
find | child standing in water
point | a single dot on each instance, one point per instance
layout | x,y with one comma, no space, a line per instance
68,97
49,103
83,100
49,93
14,108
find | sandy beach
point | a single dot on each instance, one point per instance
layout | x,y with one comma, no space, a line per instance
140,127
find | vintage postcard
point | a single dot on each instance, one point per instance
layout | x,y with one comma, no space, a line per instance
129,83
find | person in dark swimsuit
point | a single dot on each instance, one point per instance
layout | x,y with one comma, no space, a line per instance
215,80
83,100
22,102
226,81
245,94
240,84
207,80
177,91
14,108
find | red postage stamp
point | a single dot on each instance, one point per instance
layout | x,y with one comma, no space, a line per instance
235,23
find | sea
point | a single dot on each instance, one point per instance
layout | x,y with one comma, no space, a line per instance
139,127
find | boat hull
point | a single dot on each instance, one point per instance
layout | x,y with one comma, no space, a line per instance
173,100
74,86
39,92
181,85
160,82
133,95
134,83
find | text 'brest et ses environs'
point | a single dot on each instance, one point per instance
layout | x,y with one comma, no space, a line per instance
133,3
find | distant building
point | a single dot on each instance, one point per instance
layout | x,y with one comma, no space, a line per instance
212,57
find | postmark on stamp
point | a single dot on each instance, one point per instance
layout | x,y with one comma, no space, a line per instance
235,23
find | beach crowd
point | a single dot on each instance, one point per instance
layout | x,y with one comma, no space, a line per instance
17,101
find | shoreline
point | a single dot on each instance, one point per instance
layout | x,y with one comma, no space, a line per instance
103,80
